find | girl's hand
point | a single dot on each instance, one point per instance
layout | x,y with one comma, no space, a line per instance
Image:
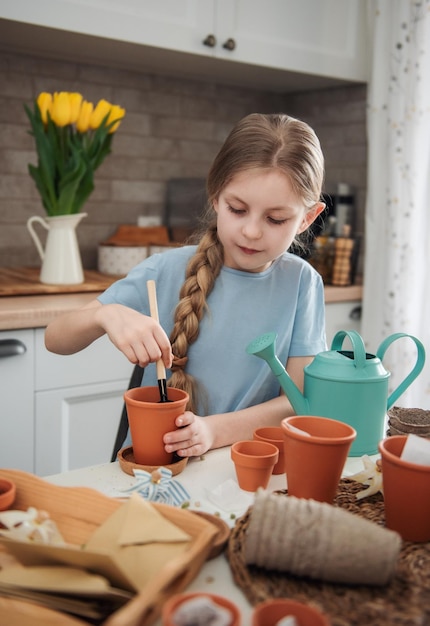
138,336
192,438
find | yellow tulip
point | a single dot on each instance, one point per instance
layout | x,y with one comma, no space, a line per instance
83,121
44,102
71,143
61,109
102,109
75,106
116,113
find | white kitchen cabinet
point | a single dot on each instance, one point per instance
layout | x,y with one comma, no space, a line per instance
326,38
78,403
98,363
171,24
322,37
76,426
342,316
58,412
17,399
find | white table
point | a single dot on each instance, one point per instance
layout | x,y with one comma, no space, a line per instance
199,477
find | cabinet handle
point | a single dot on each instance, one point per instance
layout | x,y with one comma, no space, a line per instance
210,41
11,347
230,44
355,314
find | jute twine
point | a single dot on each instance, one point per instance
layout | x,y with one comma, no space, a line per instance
404,601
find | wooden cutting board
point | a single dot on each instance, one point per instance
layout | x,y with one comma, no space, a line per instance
25,281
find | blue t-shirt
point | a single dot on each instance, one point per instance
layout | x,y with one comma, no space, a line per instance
287,298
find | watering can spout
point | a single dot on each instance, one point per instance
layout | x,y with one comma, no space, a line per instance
264,347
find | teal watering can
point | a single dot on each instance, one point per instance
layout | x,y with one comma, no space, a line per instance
350,386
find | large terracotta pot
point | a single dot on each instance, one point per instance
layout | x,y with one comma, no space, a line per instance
316,449
406,491
149,420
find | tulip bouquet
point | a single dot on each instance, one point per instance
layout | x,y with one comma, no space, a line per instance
72,137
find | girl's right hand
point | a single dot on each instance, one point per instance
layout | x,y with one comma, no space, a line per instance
139,337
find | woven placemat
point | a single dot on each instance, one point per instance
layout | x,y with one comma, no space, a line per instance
405,601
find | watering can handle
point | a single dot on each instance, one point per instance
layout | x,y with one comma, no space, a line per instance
357,344
419,364
34,236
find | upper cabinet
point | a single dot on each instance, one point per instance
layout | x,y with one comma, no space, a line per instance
324,37
320,38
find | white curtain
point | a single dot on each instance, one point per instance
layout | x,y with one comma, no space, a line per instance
397,258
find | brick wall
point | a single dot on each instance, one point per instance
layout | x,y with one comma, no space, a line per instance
173,128
339,119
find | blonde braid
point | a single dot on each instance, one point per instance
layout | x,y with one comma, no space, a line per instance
202,271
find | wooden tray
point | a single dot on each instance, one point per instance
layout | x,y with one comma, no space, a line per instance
25,281
25,613
78,511
222,536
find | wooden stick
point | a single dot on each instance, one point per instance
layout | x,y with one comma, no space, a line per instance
161,370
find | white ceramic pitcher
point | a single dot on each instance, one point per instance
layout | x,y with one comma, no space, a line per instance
61,259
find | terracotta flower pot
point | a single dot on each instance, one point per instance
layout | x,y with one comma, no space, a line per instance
7,493
149,420
270,612
172,605
316,449
406,491
254,462
273,434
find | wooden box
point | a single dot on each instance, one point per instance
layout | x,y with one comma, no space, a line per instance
78,511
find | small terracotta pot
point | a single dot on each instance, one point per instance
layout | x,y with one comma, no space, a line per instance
406,491
149,420
173,604
254,462
273,434
315,457
7,493
270,612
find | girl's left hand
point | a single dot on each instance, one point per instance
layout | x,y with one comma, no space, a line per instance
192,438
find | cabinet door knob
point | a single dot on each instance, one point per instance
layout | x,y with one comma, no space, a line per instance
210,41
230,44
11,347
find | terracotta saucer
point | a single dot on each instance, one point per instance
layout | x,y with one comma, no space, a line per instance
128,464
221,538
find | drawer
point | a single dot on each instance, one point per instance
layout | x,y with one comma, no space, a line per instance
98,363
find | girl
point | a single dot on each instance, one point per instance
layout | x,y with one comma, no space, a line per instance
263,188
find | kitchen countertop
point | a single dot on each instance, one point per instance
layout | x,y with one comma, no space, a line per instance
343,294
36,311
